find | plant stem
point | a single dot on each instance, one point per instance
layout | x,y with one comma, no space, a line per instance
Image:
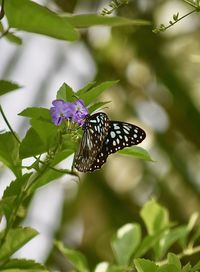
8,124
186,252
18,140
173,23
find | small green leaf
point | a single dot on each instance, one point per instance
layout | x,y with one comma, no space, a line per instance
44,21
66,93
11,192
125,242
77,259
31,145
173,259
15,239
61,156
13,38
87,20
148,242
155,216
143,265
186,268
196,267
137,152
97,105
6,207
9,152
47,132
37,113
47,176
8,86
168,268
22,265
86,88
115,268
169,239
89,96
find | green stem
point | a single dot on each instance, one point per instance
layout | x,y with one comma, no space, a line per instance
44,163
186,252
173,23
8,124
190,3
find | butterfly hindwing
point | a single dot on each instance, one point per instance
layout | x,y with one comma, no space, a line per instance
95,128
120,135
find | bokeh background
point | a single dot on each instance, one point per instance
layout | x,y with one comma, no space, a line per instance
159,90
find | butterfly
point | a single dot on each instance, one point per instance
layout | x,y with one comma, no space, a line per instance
101,137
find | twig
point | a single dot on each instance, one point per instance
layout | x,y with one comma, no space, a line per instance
8,124
186,252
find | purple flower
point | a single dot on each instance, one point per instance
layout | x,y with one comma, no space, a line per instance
61,111
80,112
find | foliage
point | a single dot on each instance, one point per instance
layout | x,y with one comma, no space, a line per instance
49,145
43,137
175,19
130,249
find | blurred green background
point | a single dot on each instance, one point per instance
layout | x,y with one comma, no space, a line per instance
158,90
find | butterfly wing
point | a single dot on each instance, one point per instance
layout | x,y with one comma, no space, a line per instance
95,128
120,135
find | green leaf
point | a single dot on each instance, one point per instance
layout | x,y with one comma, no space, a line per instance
87,20
9,152
47,132
169,239
37,113
106,267
6,207
186,268
86,88
13,38
32,17
14,240
22,265
125,243
173,259
66,93
47,176
77,259
31,145
143,265
168,268
16,186
89,96
97,105
148,242
115,268
137,152
61,156
8,86
154,216
196,267
11,192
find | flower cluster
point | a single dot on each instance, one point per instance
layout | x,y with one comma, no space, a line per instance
61,110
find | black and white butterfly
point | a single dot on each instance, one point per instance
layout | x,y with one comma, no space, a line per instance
102,137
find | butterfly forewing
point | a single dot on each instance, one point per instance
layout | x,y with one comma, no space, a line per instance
95,128
120,135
